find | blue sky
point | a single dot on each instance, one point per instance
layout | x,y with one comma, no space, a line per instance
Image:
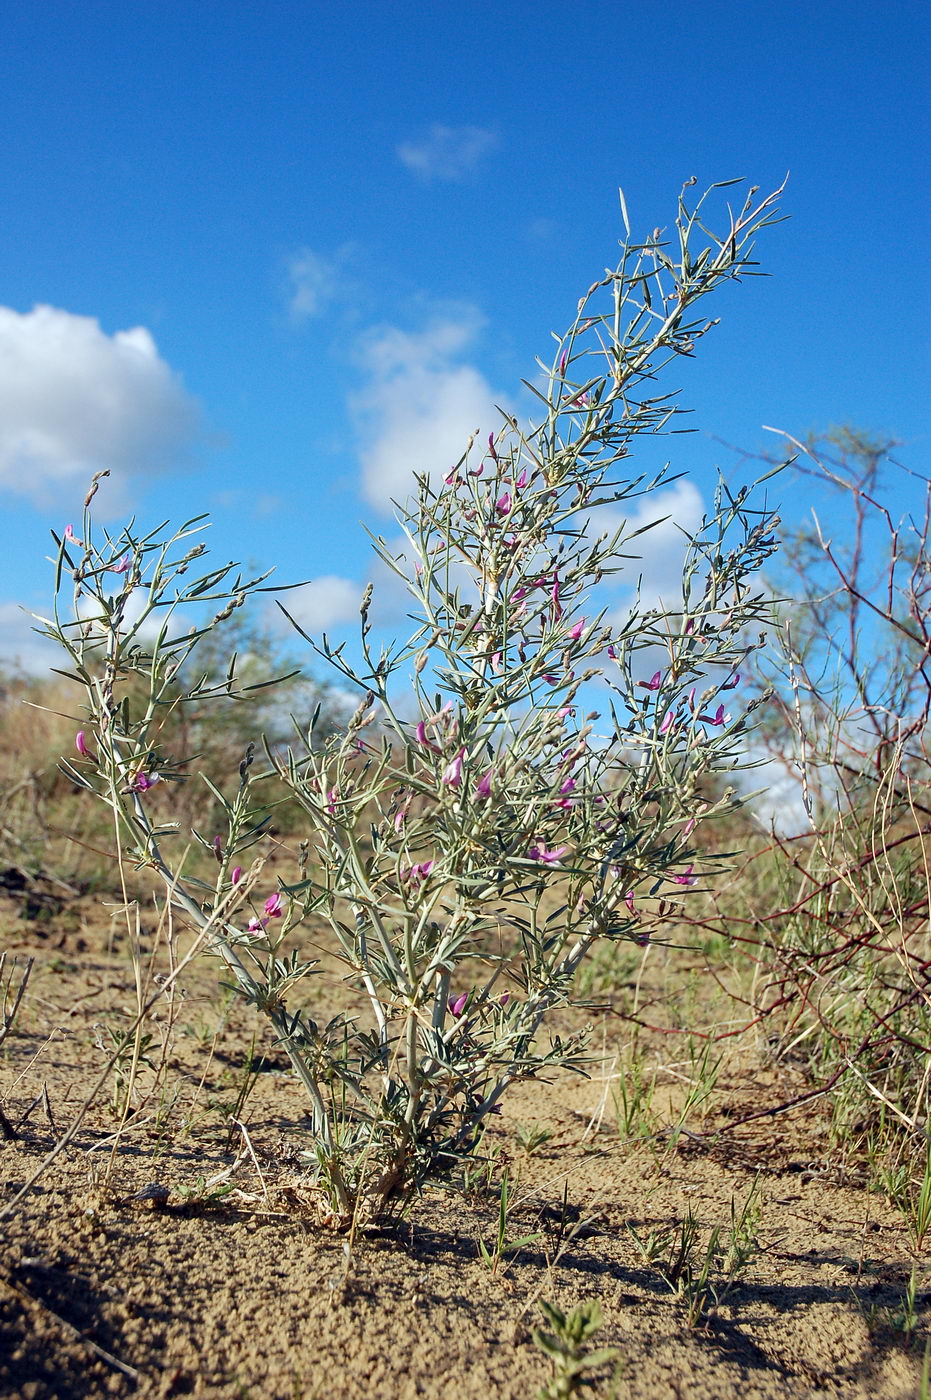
291,251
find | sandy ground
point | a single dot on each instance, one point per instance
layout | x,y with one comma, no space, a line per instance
189,1291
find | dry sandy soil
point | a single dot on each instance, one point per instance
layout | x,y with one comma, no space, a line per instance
108,1287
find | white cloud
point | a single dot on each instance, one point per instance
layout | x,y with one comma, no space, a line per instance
20,647
447,152
678,511
325,602
314,280
74,400
421,404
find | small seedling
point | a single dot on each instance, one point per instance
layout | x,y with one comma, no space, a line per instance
702,1278
567,1347
501,1247
530,1136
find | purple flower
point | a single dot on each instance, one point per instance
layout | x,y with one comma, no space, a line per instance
452,774
503,504
557,610
576,631
504,998
70,536
521,481
420,735
667,722
236,875
491,446
717,719
483,786
540,853
567,787
562,362
629,901
686,878
416,874
80,743
143,781
734,680
612,652
218,847
121,566
256,925
654,682
458,1004
274,906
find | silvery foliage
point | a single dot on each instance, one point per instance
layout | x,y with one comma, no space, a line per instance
470,833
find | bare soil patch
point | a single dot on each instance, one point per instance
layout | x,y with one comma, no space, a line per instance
190,1252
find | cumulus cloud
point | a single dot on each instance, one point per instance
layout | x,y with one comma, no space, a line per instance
21,649
74,400
447,152
420,403
325,602
314,280
671,513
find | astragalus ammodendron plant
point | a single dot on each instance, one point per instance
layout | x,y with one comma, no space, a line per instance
475,828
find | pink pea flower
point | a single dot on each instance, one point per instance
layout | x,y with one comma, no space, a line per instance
562,362
420,735
557,610
496,662
687,877
236,874
218,846
503,504
491,446
332,798
576,631
143,781
717,719
121,566
550,678
629,901
415,875
477,471
400,817
690,626
654,682
689,827
504,998
552,857
567,787
256,925
521,481
70,536
458,1004
612,652
274,906
483,786
452,775
734,680
80,743
667,722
